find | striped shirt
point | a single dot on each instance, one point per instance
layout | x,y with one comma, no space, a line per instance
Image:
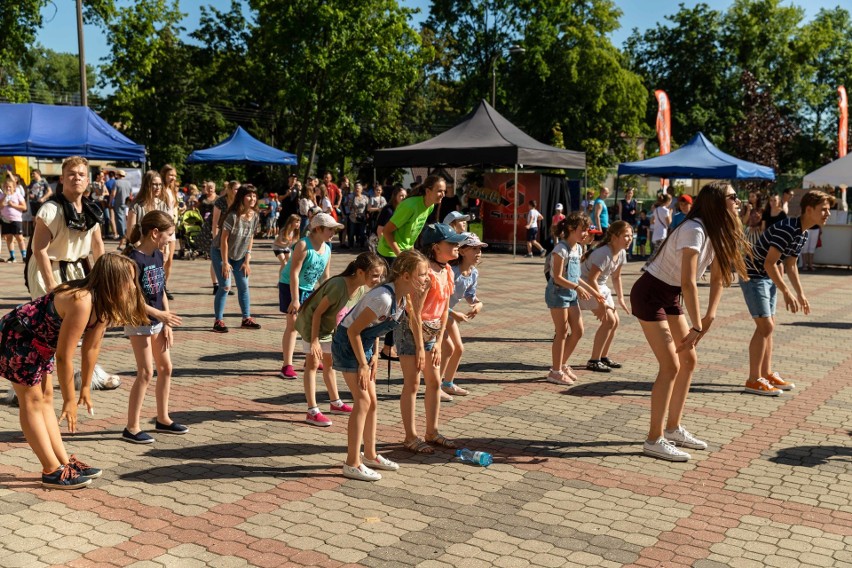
786,235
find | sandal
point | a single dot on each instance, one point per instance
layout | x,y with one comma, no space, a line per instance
419,446
443,442
452,388
444,397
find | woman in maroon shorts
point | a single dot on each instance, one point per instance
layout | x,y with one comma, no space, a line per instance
711,236
43,334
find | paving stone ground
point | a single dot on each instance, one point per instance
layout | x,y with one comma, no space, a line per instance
251,484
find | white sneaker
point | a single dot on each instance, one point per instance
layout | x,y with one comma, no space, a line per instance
361,473
664,450
683,438
381,462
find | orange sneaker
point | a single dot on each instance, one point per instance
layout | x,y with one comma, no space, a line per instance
762,387
776,381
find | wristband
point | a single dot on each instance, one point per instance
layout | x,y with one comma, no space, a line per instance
696,330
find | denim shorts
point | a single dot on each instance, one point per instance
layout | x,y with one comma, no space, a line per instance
342,353
559,297
761,297
403,339
143,329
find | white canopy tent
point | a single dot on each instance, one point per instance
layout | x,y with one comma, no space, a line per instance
838,172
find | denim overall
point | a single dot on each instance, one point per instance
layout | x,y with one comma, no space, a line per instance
342,353
556,296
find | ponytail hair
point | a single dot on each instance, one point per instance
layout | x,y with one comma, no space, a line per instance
159,220
428,183
365,261
570,223
615,230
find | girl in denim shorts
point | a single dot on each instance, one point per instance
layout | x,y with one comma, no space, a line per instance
562,295
151,343
354,350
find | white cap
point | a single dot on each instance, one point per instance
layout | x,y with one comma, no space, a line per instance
324,220
559,207
454,216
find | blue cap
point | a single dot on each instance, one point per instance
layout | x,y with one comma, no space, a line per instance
439,232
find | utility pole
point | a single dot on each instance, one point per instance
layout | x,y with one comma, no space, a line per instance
84,99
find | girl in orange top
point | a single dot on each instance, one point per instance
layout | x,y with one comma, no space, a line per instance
440,244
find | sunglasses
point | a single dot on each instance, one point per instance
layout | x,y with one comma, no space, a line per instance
732,197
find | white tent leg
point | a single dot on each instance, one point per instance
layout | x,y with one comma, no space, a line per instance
515,226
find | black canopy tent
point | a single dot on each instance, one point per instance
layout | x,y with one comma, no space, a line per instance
483,137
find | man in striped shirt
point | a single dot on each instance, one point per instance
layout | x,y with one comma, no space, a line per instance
780,243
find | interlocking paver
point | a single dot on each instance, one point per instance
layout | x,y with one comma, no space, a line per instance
252,485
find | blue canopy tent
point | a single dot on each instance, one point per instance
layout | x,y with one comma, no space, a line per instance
698,158
241,148
47,131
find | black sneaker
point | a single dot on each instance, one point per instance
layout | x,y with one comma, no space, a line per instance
169,295
249,323
64,478
173,428
597,366
610,363
84,469
220,327
140,438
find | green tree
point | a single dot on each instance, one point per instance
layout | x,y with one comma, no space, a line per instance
700,88
19,21
54,78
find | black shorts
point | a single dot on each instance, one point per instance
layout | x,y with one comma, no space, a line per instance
11,228
651,299
532,234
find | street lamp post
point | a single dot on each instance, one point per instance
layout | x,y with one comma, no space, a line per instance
514,49
84,98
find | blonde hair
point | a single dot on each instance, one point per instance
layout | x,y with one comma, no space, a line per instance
406,263
73,162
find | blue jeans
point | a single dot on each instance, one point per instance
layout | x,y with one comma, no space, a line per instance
221,293
761,297
120,220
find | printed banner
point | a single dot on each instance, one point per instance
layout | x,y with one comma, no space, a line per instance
664,127
843,129
498,204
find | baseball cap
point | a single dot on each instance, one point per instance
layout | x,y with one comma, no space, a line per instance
559,207
472,240
324,220
439,232
454,216
686,198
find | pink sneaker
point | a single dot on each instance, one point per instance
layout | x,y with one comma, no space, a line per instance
342,409
287,372
317,419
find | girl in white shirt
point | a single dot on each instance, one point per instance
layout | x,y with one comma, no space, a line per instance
661,218
597,266
711,237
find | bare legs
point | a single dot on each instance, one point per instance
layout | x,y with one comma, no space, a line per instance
565,319
760,348
328,376
39,424
671,386
411,384
149,351
362,421
605,334
288,340
451,351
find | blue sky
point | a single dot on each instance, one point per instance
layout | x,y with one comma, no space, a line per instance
59,30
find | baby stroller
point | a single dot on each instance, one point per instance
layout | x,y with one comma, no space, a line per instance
189,231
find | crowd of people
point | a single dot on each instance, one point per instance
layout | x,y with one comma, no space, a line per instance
408,299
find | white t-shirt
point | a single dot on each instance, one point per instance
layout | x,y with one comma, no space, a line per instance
532,218
661,229
603,259
379,300
690,234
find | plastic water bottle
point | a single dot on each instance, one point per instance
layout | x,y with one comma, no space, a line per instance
479,458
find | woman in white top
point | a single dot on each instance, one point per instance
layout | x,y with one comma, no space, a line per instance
661,218
711,236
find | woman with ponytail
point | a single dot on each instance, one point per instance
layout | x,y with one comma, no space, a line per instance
319,315
711,237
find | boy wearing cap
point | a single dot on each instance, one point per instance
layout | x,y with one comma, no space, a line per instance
457,220
779,244
684,204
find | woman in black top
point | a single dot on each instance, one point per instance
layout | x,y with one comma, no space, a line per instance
773,213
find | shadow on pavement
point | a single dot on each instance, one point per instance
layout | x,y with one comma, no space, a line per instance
640,388
208,470
480,339
821,324
812,456
514,450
